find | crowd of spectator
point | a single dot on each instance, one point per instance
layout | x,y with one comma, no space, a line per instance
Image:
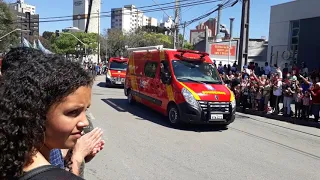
264,88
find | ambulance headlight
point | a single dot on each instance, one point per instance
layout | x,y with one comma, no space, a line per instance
189,97
232,100
233,104
108,75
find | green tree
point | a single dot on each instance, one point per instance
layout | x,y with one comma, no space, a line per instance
47,35
188,46
117,41
66,43
7,25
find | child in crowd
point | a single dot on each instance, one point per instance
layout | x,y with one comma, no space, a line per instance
306,105
298,103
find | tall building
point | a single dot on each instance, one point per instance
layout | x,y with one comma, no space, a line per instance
149,21
293,33
129,18
27,19
167,23
22,7
196,35
81,12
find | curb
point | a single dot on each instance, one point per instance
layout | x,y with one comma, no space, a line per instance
280,118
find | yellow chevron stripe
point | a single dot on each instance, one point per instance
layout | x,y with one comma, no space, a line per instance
195,95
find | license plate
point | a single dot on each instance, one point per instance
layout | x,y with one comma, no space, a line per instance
215,117
118,82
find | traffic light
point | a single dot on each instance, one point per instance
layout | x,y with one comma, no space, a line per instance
57,33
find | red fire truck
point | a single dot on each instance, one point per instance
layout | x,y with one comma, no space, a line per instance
116,74
181,84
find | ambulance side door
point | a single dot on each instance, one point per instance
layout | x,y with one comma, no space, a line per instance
164,89
147,84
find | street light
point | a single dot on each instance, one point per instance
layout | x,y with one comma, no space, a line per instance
18,29
85,45
78,49
230,39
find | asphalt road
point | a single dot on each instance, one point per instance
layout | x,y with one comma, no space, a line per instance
140,144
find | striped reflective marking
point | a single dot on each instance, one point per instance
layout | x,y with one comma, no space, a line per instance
195,95
232,97
134,84
170,93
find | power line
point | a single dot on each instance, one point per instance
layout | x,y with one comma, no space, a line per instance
201,2
227,4
107,12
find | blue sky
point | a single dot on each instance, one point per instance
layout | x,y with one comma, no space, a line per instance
259,20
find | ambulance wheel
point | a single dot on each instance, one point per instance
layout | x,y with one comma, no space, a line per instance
173,115
130,97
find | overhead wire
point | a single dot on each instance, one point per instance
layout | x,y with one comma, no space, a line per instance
228,3
201,2
108,12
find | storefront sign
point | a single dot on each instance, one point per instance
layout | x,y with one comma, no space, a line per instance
223,50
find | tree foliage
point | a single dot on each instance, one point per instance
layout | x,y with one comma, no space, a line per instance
66,43
7,25
117,41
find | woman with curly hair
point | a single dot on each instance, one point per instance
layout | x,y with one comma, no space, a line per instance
42,106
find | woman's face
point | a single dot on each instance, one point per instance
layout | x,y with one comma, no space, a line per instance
66,119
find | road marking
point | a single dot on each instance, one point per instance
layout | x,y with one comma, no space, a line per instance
277,143
114,105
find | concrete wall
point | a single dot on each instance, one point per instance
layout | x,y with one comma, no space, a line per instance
280,17
94,24
309,43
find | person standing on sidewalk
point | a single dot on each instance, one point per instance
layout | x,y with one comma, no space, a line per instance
305,105
288,92
277,92
298,103
315,93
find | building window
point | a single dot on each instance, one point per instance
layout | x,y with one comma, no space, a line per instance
294,36
150,69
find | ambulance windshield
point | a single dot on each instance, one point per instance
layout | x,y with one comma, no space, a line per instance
196,71
119,66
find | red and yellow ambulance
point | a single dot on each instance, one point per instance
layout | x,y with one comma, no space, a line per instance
181,84
116,74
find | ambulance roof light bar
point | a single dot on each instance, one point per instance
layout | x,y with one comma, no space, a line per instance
147,48
202,54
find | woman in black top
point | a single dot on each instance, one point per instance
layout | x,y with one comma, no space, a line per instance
42,106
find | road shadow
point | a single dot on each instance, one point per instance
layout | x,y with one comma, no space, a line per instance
101,84
144,113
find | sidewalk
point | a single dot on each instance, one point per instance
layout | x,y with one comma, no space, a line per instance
309,123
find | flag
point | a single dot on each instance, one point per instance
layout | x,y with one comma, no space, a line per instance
25,43
35,44
43,49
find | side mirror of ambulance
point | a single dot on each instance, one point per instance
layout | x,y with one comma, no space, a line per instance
166,78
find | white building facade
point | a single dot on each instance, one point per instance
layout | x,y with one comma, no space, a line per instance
130,18
80,15
293,33
23,7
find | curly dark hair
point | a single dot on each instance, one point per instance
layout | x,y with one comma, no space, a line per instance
16,56
27,91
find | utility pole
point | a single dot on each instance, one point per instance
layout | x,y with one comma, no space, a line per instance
230,38
184,32
176,22
98,36
218,19
244,34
